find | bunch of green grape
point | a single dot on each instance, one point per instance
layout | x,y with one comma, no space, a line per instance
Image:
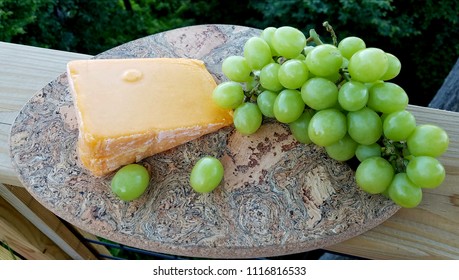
338,96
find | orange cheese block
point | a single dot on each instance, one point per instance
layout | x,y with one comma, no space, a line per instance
130,109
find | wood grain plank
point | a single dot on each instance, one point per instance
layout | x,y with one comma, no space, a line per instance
24,71
27,69
51,225
6,254
100,249
7,174
448,95
23,237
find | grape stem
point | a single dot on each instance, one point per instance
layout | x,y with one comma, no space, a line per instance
252,93
394,152
345,74
314,37
329,28
280,60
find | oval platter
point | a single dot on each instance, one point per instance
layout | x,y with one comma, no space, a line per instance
278,196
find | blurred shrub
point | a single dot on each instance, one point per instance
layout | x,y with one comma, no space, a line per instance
91,26
15,15
424,34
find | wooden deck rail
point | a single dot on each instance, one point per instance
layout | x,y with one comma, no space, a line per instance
430,231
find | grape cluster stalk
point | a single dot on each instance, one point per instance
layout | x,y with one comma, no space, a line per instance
338,96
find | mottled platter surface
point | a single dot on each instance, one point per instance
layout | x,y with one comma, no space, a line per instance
278,196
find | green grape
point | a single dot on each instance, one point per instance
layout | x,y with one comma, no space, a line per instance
130,181
350,45
269,77
288,106
265,102
394,67
228,95
299,127
288,41
300,57
342,150
307,49
319,93
334,78
364,126
425,172
374,175
345,63
387,98
324,60
369,85
257,53
251,83
327,127
267,35
404,192
367,151
428,140
206,174
368,65
399,125
353,96
293,73
236,68
247,118
383,117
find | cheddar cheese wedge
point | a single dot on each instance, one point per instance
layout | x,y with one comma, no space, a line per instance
130,109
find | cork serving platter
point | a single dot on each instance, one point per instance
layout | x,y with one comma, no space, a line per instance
278,196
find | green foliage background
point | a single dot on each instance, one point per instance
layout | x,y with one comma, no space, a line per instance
424,34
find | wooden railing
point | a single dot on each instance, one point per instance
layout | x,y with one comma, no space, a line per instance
430,231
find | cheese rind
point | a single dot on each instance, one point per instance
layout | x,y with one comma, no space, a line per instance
129,109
